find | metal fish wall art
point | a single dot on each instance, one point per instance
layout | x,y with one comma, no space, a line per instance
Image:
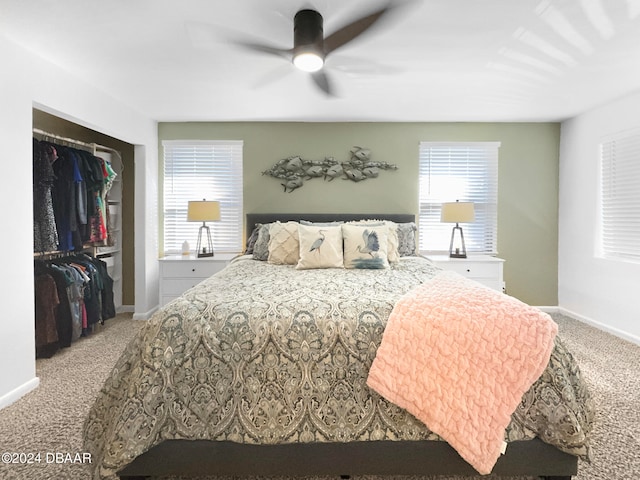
295,170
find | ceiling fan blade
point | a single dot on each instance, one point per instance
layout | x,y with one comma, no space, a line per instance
357,66
272,76
207,36
354,29
321,79
258,47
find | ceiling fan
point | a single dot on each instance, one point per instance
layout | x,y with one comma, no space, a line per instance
311,47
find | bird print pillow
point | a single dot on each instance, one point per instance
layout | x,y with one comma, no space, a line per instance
365,246
320,247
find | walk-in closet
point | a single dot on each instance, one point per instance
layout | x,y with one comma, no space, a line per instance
83,231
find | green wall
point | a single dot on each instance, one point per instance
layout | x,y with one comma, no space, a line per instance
528,180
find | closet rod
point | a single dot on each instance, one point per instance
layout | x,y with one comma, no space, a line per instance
94,146
64,139
59,254
107,149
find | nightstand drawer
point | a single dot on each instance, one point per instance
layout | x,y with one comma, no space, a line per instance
489,282
176,286
180,273
480,268
476,269
197,269
166,299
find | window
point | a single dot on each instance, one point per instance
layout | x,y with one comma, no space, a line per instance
620,197
465,171
197,169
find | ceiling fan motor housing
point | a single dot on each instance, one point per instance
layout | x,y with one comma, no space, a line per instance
308,32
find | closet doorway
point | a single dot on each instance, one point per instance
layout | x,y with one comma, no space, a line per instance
125,269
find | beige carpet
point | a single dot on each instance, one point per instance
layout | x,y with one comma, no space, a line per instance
49,420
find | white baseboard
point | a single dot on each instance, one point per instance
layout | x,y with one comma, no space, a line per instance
19,392
600,326
145,315
548,309
126,309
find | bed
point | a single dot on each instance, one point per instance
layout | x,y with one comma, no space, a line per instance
264,362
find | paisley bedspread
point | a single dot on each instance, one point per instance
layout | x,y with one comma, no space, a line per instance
267,354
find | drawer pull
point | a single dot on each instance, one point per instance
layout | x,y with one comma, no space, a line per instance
193,269
468,270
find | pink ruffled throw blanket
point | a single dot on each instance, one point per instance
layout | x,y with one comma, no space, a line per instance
459,356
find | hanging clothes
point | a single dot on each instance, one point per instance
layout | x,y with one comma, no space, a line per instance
73,294
46,303
70,197
45,233
107,304
73,291
74,283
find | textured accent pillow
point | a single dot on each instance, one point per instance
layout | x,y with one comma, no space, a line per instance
407,239
261,247
393,254
253,238
364,221
320,224
365,246
284,247
320,247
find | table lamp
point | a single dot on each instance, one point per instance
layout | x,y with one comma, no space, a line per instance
203,211
457,212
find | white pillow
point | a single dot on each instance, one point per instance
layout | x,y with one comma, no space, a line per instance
392,248
320,247
393,254
283,243
365,246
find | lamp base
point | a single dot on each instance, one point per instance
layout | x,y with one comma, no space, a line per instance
203,250
457,252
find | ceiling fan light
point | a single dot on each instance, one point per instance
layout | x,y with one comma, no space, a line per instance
308,61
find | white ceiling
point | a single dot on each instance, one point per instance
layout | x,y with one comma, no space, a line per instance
429,60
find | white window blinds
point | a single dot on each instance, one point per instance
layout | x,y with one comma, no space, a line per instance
620,197
464,171
196,170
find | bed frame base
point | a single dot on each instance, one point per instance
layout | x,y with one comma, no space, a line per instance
201,457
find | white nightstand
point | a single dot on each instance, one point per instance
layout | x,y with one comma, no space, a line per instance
178,273
481,268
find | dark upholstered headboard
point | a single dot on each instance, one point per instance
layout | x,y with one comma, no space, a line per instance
253,218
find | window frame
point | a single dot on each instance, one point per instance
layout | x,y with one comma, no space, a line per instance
619,197
211,170
477,164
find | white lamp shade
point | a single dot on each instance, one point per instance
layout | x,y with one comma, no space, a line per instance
457,212
203,211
